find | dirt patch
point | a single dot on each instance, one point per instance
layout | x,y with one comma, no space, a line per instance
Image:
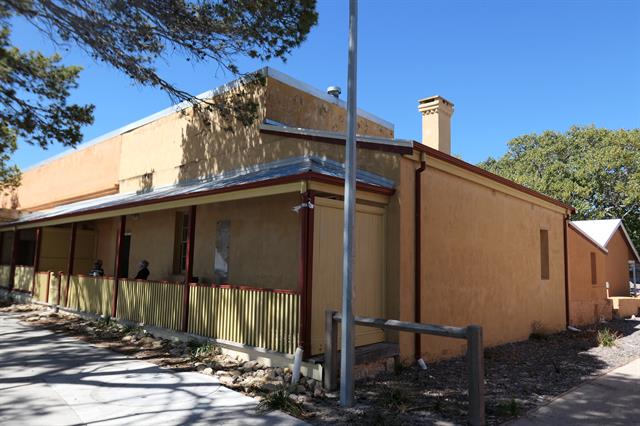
519,376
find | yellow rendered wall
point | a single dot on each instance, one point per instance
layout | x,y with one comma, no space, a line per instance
106,239
296,108
481,264
54,252
264,245
152,239
626,306
86,173
181,146
587,302
618,265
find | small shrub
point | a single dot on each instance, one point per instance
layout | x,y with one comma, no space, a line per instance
203,350
399,367
607,337
537,331
396,399
280,399
511,408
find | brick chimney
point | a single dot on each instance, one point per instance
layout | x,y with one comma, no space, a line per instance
436,122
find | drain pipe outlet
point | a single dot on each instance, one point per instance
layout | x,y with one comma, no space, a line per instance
297,364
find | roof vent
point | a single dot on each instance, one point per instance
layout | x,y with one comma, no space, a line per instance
334,91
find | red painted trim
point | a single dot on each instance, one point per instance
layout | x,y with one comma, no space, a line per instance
477,170
305,271
566,271
417,247
245,288
1,245
277,181
14,254
338,141
188,268
72,253
59,288
117,263
36,258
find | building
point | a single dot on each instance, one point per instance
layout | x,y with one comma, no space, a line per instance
601,258
252,218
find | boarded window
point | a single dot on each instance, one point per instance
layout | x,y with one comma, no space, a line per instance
221,255
594,272
544,254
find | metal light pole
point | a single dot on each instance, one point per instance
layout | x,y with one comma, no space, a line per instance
347,354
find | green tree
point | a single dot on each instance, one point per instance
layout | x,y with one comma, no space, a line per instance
132,36
595,170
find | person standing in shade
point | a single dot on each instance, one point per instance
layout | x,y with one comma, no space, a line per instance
143,272
96,270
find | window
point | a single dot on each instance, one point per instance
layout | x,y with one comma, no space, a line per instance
544,254
181,238
594,272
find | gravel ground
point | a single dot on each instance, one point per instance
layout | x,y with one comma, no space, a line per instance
519,376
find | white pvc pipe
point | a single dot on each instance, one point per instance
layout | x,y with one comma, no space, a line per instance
297,364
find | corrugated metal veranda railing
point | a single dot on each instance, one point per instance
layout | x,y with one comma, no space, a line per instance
91,294
151,303
5,271
23,279
42,283
256,317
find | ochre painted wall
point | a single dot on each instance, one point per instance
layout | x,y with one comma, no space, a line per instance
618,265
152,239
86,173
481,264
106,239
264,244
587,301
295,108
54,253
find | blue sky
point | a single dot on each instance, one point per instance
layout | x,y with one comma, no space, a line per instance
510,68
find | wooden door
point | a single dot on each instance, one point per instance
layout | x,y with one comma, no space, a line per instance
369,273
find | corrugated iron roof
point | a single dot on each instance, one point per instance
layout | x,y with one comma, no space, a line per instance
247,175
601,231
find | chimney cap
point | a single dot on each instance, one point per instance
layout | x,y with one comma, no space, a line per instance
434,99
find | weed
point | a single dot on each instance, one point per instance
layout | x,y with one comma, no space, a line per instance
511,408
537,331
396,399
280,399
203,350
607,337
399,367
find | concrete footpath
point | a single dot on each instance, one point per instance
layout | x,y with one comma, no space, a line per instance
50,379
612,399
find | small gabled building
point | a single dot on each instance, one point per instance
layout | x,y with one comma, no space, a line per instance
600,258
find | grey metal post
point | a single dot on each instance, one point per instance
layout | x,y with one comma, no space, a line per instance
348,352
475,359
330,351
